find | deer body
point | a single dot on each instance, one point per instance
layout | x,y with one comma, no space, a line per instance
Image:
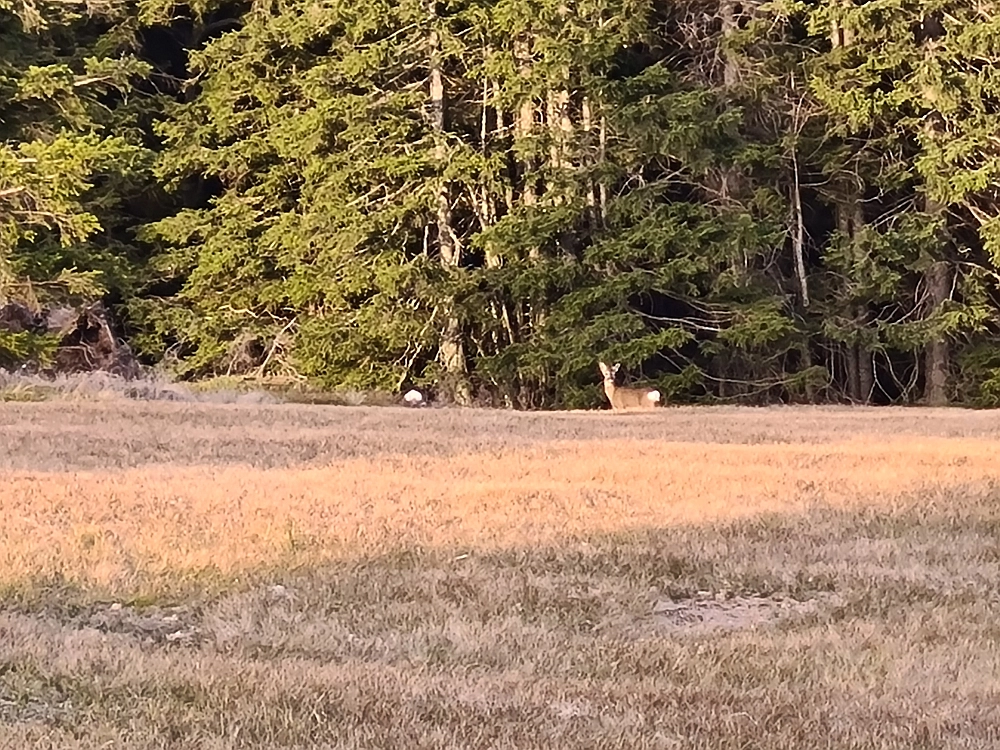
627,398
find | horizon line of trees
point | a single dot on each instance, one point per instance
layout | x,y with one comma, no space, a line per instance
756,202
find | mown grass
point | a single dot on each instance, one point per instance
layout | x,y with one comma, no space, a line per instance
258,577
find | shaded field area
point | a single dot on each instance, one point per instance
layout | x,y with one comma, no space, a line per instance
234,576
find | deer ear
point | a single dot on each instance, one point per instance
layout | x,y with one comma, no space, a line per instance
614,370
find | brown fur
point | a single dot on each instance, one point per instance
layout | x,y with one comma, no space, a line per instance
622,399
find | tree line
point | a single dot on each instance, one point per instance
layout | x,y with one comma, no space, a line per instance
751,202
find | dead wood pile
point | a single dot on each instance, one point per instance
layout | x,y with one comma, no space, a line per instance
86,338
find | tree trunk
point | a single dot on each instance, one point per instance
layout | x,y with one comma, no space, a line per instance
488,212
807,364
561,120
487,203
587,122
561,128
720,364
452,349
730,182
850,221
602,187
938,280
798,237
853,381
730,25
866,370
840,34
552,102
936,355
524,126
525,130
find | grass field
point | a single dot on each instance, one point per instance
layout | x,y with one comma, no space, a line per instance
237,576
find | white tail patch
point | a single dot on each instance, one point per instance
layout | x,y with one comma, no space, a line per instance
414,397
654,396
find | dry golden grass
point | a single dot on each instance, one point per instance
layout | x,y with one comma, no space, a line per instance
285,576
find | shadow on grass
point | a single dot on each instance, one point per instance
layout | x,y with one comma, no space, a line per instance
71,436
567,646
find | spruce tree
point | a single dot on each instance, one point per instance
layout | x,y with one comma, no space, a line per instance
319,252
910,89
70,153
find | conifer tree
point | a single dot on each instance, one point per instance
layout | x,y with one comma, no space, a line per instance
315,254
910,83
742,201
69,153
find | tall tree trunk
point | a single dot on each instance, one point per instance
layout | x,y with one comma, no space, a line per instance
559,116
798,236
729,187
850,222
602,157
488,213
555,142
866,367
840,33
853,380
860,381
452,348
529,313
587,122
487,202
524,127
730,25
561,128
937,355
807,364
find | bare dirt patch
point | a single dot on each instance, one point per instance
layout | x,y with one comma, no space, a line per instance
150,625
707,613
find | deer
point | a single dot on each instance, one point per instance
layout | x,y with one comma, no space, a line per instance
627,398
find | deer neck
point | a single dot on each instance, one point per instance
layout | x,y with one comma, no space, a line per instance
609,388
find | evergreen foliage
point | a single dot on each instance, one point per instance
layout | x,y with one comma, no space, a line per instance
738,201
71,148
